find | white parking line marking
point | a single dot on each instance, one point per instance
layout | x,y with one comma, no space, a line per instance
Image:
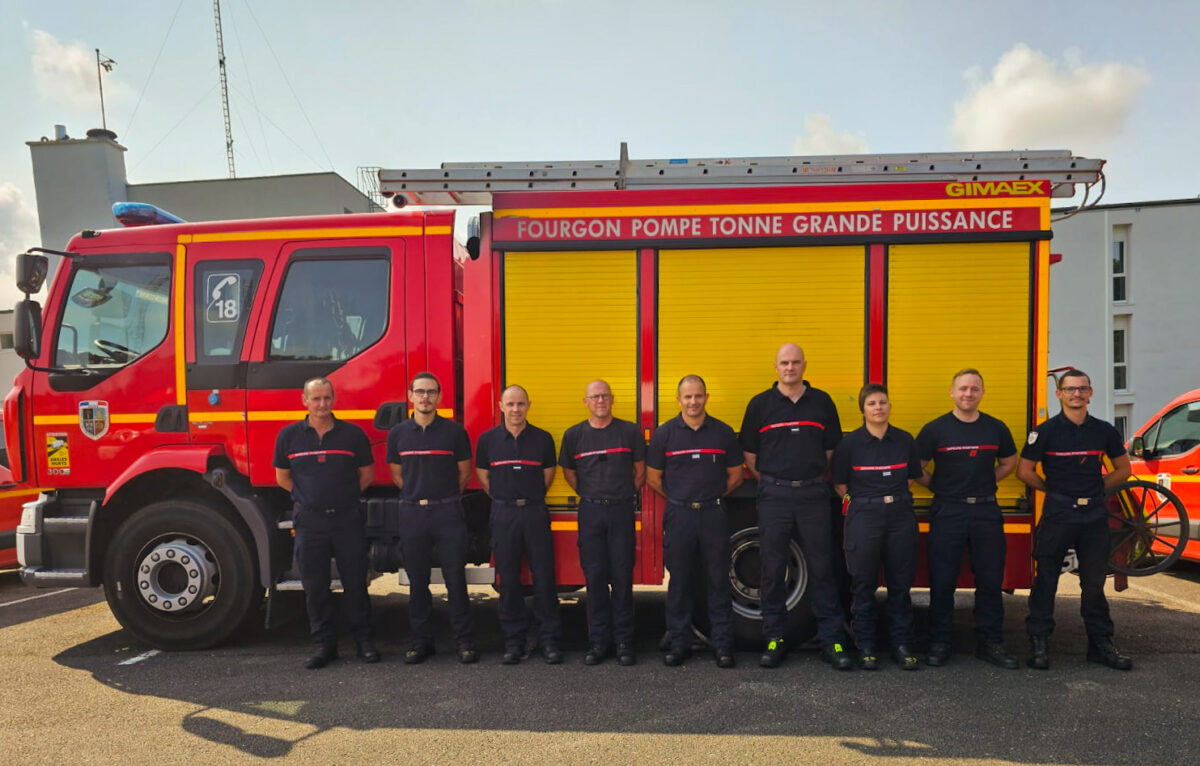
139,658
33,598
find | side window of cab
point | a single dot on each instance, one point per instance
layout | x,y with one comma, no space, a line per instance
1177,433
332,306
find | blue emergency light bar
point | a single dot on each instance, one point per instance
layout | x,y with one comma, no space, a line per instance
142,214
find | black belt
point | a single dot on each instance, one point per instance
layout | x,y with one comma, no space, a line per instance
606,501
326,511
520,502
1085,501
716,501
882,499
768,478
426,501
968,500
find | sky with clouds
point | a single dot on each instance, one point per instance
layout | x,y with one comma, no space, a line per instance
320,86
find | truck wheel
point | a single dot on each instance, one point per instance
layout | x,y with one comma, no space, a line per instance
179,575
745,569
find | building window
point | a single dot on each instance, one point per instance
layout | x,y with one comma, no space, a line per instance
1121,420
1120,264
6,340
1121,353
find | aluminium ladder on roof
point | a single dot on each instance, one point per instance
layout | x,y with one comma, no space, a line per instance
466,183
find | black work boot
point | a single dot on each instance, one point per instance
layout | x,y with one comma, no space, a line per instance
1039,653
995,653
776,651
1102,650
939,654
323,656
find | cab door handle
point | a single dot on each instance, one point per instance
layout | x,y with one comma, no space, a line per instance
1191,469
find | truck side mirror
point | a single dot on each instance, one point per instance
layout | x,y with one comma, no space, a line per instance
1137,447
27,328
31,272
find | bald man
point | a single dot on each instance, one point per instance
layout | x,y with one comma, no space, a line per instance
788,434
515,464
604,460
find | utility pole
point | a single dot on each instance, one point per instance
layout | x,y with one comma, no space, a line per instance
224,89
107,64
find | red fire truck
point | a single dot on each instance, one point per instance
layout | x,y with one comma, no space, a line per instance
169,354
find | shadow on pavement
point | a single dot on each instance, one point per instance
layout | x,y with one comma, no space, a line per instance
256,697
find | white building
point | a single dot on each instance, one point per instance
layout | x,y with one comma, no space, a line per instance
1125,305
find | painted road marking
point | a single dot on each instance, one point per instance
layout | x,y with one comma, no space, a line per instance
33,598
139,658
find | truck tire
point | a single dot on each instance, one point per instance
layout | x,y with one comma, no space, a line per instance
179,574
744,576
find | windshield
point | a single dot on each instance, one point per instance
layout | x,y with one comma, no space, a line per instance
114,313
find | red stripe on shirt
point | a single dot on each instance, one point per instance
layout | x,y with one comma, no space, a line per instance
311,453
1077,453
514,462
791,423
696,452
965,447
603,452
426,452
878,467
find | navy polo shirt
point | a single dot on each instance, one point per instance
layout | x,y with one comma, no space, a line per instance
428,457
516,464
964,454
324,468
789,439
1072,460
603,458
694,461
871,467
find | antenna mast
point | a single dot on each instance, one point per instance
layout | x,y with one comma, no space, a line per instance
224,89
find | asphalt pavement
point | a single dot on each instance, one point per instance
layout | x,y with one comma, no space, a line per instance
79,689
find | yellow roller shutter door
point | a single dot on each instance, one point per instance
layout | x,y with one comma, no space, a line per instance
570,318
722,314
956,306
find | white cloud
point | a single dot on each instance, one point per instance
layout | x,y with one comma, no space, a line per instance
820,137
18,232
66,73
1031,101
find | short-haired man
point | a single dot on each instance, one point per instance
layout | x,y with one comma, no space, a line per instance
430,460
325,463
515,464
788,434
695,461
1071,447
971,453
604,459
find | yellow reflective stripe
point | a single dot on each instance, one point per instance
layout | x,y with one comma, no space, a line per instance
571,526
133,417
782,207
215,417
55,420
439,230
1009,529
346,233
21,492
180,385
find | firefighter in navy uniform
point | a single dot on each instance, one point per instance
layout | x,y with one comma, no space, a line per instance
872,469
694,461
325,464
430,460
788,435
971,452
515,464
604,460
1071,447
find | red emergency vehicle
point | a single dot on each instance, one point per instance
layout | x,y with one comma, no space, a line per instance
1166,451
169,354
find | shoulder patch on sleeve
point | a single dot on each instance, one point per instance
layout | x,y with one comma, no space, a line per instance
1032,437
